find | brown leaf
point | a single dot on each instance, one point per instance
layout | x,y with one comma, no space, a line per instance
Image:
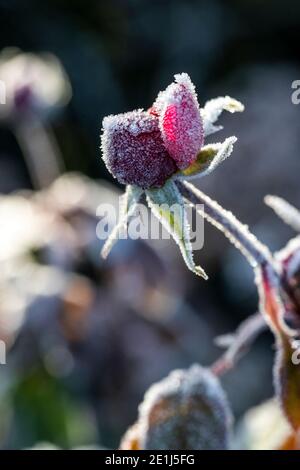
287,381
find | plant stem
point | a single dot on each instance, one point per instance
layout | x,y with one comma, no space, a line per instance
238,234
240,342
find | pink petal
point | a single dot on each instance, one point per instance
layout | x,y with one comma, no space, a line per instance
180,120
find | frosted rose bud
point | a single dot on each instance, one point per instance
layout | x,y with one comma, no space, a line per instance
180,120
133,150
187,410
34,83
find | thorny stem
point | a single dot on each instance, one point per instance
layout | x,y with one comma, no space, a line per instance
257,254
240,342
238,234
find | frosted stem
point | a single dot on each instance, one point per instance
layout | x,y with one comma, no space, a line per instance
238,234
285,211
238,343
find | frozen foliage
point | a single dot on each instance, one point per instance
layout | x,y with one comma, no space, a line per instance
129,200
186,410
152,149
288,213
278,283
168,206
180,120
145,148
133,149
209,158
212,110
223,150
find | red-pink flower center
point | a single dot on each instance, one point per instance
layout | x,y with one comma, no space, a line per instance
170,117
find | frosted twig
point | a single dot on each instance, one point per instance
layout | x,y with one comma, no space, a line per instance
238,343
285,211
255,251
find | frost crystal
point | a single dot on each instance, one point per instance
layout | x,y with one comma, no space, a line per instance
187,410
133,150
180,120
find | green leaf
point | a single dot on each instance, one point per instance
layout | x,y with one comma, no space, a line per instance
129,200
167,205
209,157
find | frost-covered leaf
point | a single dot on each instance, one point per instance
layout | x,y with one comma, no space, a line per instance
167,205
288,213
186,410
213,109
211,156
129,201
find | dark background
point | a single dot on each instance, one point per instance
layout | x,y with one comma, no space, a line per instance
118,55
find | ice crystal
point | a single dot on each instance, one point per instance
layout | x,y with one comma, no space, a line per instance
133,150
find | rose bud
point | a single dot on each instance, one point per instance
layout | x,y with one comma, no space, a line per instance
133,150
186,410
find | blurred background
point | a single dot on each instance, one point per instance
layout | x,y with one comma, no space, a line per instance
85,338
